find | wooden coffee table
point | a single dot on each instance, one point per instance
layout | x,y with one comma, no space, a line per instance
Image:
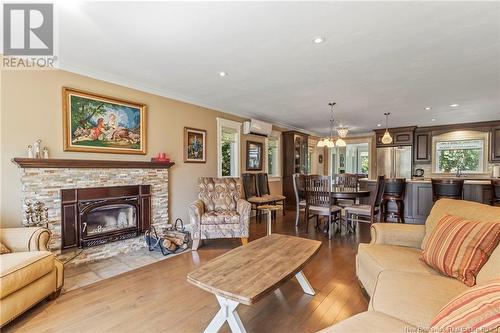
248,273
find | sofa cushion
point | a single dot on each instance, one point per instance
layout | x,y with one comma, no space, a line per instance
470,211
413,297
4,249
475,310
21,268
220,217
459,248
374,258
369,321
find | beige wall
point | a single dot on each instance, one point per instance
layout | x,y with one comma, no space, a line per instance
31,109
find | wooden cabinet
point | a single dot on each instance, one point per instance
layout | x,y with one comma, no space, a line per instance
295,155
423,147
401,136
421,197
495,144
478,193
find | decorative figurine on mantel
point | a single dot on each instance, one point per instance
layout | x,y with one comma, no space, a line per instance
36,152
37,148
30,151
36,215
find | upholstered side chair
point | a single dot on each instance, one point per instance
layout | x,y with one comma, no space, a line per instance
219,211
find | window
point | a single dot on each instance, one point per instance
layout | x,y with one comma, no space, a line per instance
312,167
466,155
354,158
228,148
273,154
463,151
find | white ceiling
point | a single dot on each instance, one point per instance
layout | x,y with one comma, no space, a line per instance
377,57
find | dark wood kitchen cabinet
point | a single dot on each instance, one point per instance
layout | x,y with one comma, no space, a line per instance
401,136
495,144
295,156
423,147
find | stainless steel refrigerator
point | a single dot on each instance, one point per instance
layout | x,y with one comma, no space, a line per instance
394,162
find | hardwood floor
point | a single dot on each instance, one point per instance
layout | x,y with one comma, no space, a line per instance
157,297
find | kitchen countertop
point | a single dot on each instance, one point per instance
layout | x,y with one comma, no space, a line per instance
486,181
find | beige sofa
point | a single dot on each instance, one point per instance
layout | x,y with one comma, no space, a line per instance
405,293
29,274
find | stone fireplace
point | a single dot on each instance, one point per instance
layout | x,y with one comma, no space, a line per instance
98,215
53,181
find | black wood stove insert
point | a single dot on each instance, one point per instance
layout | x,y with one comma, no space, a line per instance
98,215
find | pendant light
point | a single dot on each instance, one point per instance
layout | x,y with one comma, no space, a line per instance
342,132
340,142
387,138
328,142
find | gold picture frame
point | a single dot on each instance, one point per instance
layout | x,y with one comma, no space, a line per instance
95,123
195,145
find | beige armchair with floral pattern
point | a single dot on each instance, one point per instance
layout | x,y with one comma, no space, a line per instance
219,212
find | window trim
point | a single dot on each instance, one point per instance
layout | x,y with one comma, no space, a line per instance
221,122
459,136
277,136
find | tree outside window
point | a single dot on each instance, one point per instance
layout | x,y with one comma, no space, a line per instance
466,155
226,159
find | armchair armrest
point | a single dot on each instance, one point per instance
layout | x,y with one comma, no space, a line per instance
25,239
244,207
410,235
196,210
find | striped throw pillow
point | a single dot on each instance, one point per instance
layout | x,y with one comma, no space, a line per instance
476,310
459,248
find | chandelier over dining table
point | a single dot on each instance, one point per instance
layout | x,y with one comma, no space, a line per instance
341,132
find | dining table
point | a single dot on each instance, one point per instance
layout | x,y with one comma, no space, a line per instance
348,193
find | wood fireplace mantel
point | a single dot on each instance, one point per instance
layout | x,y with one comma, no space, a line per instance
78,163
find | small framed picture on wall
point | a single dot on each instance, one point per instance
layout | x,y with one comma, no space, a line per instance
254,156
195,145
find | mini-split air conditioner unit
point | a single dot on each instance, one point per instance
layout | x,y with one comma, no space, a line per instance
257,127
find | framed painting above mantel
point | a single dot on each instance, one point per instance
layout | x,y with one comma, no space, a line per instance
102,124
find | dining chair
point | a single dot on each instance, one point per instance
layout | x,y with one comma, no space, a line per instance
447,188
367,213
346,181
319,201
300,196
252,195
263,190
394,191
495,192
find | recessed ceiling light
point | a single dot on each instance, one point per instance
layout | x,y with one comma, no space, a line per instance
454,105
318,40
433,119
428,108
378,125
222,74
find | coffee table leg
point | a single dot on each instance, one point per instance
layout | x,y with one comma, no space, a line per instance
304,283
227,313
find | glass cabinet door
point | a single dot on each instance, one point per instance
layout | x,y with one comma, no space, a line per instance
297,154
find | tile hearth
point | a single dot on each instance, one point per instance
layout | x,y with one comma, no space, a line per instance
87,273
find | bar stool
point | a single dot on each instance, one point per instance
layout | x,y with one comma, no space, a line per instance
447,188
495,192
269,209
394,191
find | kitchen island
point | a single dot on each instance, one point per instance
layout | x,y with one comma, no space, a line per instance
418,199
